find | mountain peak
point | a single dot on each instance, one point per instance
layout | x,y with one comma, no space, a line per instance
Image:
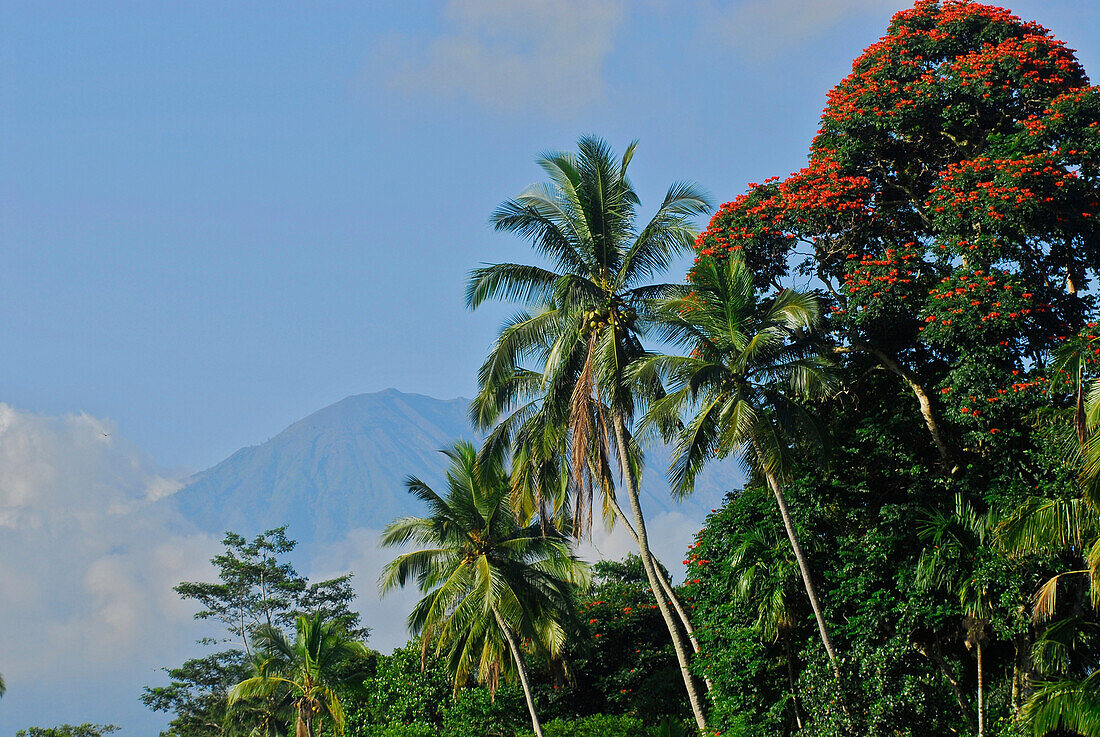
344,466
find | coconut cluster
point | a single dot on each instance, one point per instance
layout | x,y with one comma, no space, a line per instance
616,315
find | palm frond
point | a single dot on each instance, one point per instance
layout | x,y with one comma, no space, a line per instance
1071,705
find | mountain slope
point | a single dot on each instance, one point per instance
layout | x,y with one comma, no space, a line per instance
343,467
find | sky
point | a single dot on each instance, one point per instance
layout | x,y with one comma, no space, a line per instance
217,218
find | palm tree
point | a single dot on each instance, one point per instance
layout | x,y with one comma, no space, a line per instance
582,325
958,539
261,716
1069,705
309,668
489,581
767,581
1065,654
745,380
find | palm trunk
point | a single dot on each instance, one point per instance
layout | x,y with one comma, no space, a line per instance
1020,668
647,563
666,587
517,656
790,680
981,693
803,568
1017,674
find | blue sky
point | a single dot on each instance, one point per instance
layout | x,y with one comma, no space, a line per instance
216,218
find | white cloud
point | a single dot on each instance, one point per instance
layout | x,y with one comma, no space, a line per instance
88,560
360,553
545,55
765,28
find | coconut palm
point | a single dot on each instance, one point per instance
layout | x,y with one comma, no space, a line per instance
1066,652
1065,706
261,716
767,580
309,668
489,580
957,541
582,324
746,381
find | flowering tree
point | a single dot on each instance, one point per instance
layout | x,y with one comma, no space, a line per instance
949,205
948,210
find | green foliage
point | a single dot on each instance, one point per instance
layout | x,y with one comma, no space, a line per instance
620,658
197,693
401,691
401,698
597,725
304,672
398,729
257,586
257,589
628,670
69,730
475,712
1067,705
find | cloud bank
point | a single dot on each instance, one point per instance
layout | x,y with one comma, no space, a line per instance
89,560
541,55
765,28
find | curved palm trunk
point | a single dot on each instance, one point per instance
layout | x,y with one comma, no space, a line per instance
517,657
803,568
650,572
666,587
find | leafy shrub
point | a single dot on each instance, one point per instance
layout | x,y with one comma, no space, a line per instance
414,729
597,725
472,712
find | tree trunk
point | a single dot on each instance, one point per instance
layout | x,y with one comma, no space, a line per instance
1017,672
1021,668
981,692
650,571
923,399
807,580
790,680
517,656
960,698
665,587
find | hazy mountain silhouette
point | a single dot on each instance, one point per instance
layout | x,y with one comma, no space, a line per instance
343,467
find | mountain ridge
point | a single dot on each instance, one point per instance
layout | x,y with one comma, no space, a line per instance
343,466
